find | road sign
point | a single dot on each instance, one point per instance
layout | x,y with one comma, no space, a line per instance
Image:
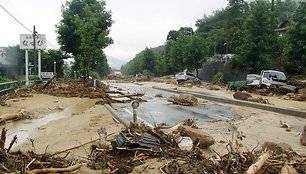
46,75
27,41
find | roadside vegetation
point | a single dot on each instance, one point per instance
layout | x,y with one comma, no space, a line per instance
248,30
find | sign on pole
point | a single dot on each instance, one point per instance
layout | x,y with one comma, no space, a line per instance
27,41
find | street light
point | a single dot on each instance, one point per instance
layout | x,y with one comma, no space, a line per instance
54,67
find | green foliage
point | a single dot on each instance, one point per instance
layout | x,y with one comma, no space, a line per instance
187,51
145,60
147,73
215,21
285,9
218,78
257,39
83,32
48,58
297,42
4,79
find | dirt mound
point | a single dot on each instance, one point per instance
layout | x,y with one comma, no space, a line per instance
241,95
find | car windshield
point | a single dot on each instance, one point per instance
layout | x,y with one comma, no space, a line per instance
278,75
190,74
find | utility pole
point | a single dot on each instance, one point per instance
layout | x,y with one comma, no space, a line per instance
34,52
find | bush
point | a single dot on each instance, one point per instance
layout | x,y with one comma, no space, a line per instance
147,73
4,79
218,78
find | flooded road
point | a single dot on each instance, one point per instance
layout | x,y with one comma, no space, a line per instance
159,110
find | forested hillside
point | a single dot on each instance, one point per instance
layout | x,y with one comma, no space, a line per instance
261,35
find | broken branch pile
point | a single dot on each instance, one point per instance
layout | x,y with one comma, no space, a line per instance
139,143
31,163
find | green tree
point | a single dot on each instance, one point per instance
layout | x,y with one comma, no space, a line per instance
215,21
83,31
285,9
257,39
192,50
236,11
297,42
149,59
48,57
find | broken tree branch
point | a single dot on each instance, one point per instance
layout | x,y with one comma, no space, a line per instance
3,138
56,170
254,168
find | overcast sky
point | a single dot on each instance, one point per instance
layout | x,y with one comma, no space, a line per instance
138,23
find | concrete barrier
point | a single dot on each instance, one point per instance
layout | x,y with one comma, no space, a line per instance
280,110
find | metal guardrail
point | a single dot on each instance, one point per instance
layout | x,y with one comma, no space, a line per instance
6,87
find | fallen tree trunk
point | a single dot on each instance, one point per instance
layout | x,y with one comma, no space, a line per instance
56,170
254,168
6,117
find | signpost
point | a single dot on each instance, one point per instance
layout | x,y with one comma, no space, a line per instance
27,41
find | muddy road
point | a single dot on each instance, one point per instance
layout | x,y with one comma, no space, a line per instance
158,110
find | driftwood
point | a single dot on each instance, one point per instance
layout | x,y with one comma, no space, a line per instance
203,138
56,170
254,168
7,117
15,116
288,170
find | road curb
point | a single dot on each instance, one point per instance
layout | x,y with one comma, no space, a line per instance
117,115
280,110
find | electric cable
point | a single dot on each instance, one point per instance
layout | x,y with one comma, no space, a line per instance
15,19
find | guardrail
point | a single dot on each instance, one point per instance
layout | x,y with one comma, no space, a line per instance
6,87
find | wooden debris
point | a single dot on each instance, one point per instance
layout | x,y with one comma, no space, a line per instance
254,168
14,116
56,170
203,138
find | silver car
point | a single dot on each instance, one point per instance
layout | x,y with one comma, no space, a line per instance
184,76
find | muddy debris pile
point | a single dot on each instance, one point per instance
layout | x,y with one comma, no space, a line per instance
28,162
138,143
71,88
248,97
184,99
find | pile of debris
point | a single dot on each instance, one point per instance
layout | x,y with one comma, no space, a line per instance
29,162
71,88
248,97
184,99
138,143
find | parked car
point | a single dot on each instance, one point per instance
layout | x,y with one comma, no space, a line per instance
184,76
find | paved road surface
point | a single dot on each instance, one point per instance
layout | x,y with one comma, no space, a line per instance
159,110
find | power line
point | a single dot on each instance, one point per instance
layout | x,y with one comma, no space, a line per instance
49,43
15,19
20,15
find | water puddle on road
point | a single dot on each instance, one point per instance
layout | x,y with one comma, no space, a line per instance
24,128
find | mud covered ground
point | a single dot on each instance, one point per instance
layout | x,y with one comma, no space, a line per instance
60,120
